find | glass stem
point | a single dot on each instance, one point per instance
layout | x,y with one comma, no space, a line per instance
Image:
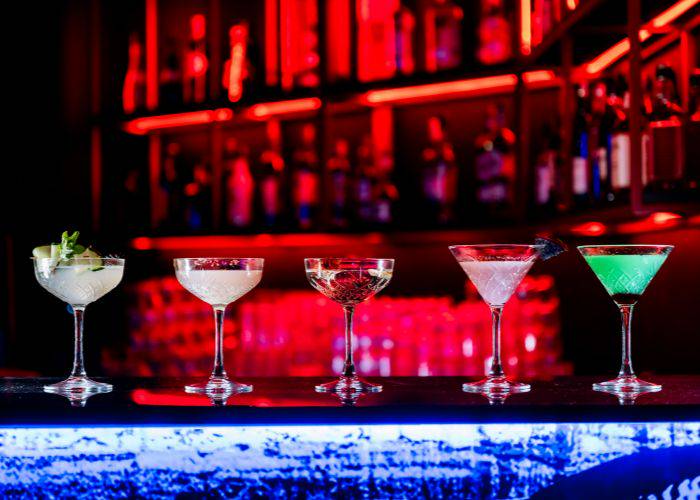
219,371
349,367
626,368
496,366
78,362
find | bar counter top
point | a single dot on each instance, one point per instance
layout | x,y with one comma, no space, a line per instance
404,400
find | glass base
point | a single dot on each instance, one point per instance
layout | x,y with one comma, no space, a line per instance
495,386
218,386
77,386
345,385
626,385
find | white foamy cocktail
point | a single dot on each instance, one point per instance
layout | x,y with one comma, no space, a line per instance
496,280
219,287
78,285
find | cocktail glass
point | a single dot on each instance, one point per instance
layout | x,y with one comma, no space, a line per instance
625,271
78,282
349,282
218,282
496,271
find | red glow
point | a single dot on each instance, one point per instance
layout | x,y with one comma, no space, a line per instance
539,76
447,89
141,126
271,43
284,107
673,12
663,218
151,54
525,27
149,398
571,4
198,26
235,66
589,229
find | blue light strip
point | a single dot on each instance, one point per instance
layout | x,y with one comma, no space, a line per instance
501,460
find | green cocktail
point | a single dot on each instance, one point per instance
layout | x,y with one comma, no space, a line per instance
625,271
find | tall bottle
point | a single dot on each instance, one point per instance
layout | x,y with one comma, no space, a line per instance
546,172
495,44
620,160
600,141
240,186
305,182
580,181
495,162
271,171
363,183
405,33
376,39
440,173
170,79
134,90
173,180
198,197
386,192
194,88
442,35
339,170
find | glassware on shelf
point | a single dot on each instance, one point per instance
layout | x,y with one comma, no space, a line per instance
78,282
349,282
218,282
496,271
625,271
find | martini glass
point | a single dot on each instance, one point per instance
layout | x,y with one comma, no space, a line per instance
625,271
349,282
78,282
496,271
218,282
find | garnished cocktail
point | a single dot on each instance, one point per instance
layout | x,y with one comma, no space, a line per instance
79,276
218,282
349,282
625,271
496,271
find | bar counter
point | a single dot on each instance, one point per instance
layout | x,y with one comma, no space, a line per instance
419,437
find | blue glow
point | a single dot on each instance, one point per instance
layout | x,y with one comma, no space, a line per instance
458,460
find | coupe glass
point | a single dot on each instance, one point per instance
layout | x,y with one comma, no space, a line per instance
349,282
625,271
496,271
218,282
78,282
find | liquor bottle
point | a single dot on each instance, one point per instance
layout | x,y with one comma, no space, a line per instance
194,77
339,170
405,32
170,79
386,192
271,170
363,185
198,197
443,35
240,186
376,39
134,90
620,162
495,45
495,162
305,183
666,162
580,182
600,139
173,180
546,170
236,66
439,173
299,51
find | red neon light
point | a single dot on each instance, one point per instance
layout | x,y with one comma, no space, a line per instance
525,27
589,229
673,12
501,82
151,54
144,125
213,243
271,43
662,218
571,4
235,67
539,76
284,107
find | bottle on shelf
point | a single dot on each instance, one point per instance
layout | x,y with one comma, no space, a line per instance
198,197
580,175
240,186
376,39
620,162
546,172
339,170
665,165
170,79
494,34
442,28
440,173
299,51
545,15
270,180
305,180
363,185
405,33
386,192
600,141
134,90
194,77
495,162
173,181
236,67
